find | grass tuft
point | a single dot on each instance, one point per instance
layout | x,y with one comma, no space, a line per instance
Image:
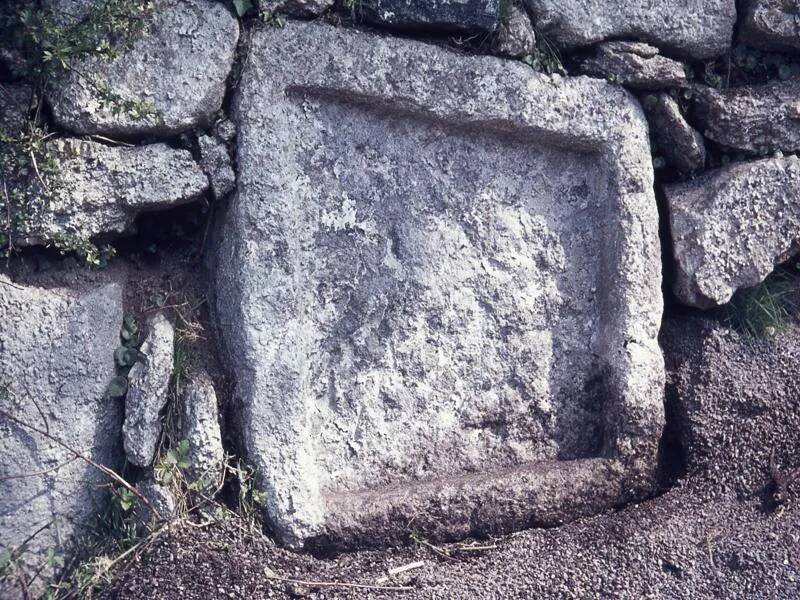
769,307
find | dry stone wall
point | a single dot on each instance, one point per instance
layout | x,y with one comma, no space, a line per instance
434,273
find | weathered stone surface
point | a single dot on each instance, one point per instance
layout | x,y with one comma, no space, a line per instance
437,15
415,296
694,28
771,24
732,226
515,37
636,65
200,427
162,505
16,102
56,359
751,118
225,130
297,8
180,67
678,142
216,162
102,189
148,382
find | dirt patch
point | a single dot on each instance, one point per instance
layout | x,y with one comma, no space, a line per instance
716,533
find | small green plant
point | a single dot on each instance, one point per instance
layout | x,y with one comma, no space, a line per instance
250,499
171,464
125,356
546,57
768,307
272,18
242,7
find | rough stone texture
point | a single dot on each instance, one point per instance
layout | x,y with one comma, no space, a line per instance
405,297
436,15
56,359
16,102
160,498
180,66
225,130
148,381
678,142
297,8
200,427
731,227
714,534
635,65
751,118
515,37
694,28
216,162
102,189
771,24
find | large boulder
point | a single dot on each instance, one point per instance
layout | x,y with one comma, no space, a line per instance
636,65
731,226
56,359
751,118
92,188
443,16
422,315
771,24
698,29
177,70
678,142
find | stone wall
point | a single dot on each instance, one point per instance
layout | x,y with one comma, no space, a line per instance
433,252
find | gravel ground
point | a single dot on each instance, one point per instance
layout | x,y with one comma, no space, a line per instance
717,532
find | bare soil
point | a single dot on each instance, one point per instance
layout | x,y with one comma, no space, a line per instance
721,530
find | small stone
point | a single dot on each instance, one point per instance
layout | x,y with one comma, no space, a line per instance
678,142
296,8
635,64
216,162
102,189
200,428
515,37
225,130
162,504
440,16
698,29
731,226
178,69
147,391
754,119
771,25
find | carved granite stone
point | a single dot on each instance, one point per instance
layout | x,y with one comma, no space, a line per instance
438,288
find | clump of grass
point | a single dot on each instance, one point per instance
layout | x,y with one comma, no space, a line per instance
768,307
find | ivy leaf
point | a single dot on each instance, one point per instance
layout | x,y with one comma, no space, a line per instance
242,6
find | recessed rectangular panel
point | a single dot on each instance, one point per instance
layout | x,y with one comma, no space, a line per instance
439,289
